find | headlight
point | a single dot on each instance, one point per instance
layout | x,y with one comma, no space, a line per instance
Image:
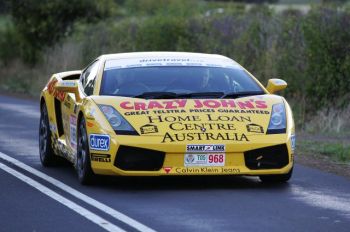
277,123
118,123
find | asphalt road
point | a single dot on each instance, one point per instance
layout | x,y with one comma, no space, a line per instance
33,198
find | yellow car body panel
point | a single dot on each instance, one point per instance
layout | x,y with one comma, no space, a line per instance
168,126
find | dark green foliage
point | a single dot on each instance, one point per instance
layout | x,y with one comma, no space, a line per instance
175,8
164,37
327,37
9,44
334,1
168,35
42,23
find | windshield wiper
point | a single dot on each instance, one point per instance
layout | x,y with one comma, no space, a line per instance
156,95
170,95
201,94
242,94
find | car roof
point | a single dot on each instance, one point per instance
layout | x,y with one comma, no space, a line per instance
148,55
126,60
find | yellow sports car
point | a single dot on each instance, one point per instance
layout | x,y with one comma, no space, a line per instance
166,113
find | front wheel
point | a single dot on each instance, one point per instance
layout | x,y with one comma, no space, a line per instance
280,178
83,164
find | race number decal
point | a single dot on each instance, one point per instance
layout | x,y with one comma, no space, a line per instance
204,160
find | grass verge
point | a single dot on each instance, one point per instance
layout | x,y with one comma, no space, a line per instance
336,151
325,151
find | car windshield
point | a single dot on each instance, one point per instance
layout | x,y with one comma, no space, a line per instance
178,81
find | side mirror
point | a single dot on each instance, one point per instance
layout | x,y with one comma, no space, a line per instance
69,86
275,85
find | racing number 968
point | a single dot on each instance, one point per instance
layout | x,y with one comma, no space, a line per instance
216,158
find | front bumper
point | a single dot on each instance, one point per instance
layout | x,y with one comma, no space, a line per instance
132,156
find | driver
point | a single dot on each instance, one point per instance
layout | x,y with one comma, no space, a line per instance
195,81
122,78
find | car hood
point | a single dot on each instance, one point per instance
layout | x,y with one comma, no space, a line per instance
196,119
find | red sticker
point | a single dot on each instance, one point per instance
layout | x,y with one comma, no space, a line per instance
167,169
52,91
90,124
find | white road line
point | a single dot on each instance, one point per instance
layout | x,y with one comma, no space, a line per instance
70,204
30,111
106,209
323,199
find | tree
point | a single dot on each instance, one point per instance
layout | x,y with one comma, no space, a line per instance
42,23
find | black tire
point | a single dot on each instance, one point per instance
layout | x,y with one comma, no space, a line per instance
47,155
281,178
83,164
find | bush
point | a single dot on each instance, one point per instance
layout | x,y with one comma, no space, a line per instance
176,8
9,44
328,53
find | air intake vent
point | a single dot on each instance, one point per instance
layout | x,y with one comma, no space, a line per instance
273,157
139,159
59,117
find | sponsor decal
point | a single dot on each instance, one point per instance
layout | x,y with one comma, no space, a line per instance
195,160
178,137
205,148
52,91
68,83
236,111
203,127
148,129
213,120
170,61
292,141
211,103
202,110
65,121
106,158
182,111
147,112
145,105
167,169
207,170
189,158
99,142
160,118
198,104
130,113
198,118
73,131
152,60
255,128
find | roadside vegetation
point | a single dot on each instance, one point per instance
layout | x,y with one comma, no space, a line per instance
335,150
308,46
